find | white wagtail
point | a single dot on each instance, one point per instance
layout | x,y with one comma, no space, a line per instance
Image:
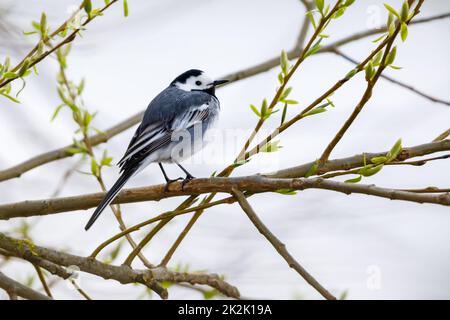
189,103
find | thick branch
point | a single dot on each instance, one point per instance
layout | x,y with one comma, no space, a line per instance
278,245
253,184
122,274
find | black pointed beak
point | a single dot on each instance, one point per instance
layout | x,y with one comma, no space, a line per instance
219,82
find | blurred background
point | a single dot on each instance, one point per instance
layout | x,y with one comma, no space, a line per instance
369,248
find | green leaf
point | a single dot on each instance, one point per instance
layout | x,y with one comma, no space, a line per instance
354,180
284,62
271,146
87,118
391,56
391,10
24,67
263,111
314,111
343,295
281,78
405,11
87,5
312,170
239,163
81,87
395,67
72,150
285,93
6,63
10,75
311,18
28,33
165,284
349,3
379,38
395,150
94,167
404,31
319,5
125,8
339,13
43,25
391,28
210,294
351,73
316,47
57,110
377,59
370,71
116,251
370,170
329,102
9,97
390,19
378,160
289,101
287,192
107,161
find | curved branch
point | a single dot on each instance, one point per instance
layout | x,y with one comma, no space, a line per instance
14,288
61,153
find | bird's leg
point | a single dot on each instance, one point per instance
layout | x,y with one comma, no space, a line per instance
168,181
188,177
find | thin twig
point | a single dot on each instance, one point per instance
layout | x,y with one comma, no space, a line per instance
442,136
367,93
43,281
278,245
428,190
168,214
397,82
68,39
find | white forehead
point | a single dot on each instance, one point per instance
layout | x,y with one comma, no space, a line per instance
201,81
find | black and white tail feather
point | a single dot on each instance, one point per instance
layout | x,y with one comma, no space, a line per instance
112,193
189,100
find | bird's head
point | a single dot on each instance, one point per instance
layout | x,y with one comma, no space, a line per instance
196,80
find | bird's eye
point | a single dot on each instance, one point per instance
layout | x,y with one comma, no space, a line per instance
199,83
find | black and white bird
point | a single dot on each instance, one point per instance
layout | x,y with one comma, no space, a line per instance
186,108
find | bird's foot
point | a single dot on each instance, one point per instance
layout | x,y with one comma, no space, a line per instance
169,181
188,178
